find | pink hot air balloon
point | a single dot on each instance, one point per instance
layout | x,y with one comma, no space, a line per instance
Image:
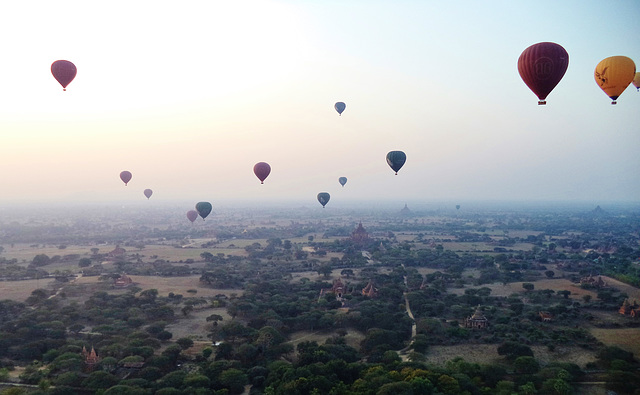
192,215
64,72
262,170
125,176
148,193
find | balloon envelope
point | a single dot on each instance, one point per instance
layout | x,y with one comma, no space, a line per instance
457,207
262,170
148,193
125,176
542,66
192,215
204,209
614,74
636,80
323,198
64,72
340,106
342,180
396,159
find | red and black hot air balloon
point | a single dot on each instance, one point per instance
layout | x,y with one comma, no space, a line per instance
542,66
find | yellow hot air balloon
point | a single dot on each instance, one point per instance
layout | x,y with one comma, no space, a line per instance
614,75
636,81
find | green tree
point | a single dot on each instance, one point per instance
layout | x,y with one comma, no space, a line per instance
234,380
528,286
526,365
100,380
185,343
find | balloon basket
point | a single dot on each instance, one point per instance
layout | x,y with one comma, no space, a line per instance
542,102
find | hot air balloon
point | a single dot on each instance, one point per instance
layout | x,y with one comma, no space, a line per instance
457,207
396,160
204,209
262,170
342,180
614,74
323,198
192,215
340,106
636,81
148,193
542,66
125,176
64,72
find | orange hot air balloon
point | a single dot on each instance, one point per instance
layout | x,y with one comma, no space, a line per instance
542,66
125,176
636,81
64,72
614,74
148,193
262,170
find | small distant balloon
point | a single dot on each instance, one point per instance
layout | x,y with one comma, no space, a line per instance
636,81
192,215
457,207
614,74
125,176
340,106
542,66
262,170
323,198
342,180
64,72
396,159
148,193
204,209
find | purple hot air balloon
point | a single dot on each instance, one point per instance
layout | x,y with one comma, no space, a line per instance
192,215
64,72
148,193
262,170
125,176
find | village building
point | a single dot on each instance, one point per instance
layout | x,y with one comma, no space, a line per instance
91,358
545,316
593,282
405,210
123,281
116,254
370,291
632,310
338,289
477,320
360,235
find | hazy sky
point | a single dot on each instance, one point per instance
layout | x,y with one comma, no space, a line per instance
189,95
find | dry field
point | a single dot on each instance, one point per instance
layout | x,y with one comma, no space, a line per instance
21,290
177,285
556,284
195,326
488,353
626,338
353,337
